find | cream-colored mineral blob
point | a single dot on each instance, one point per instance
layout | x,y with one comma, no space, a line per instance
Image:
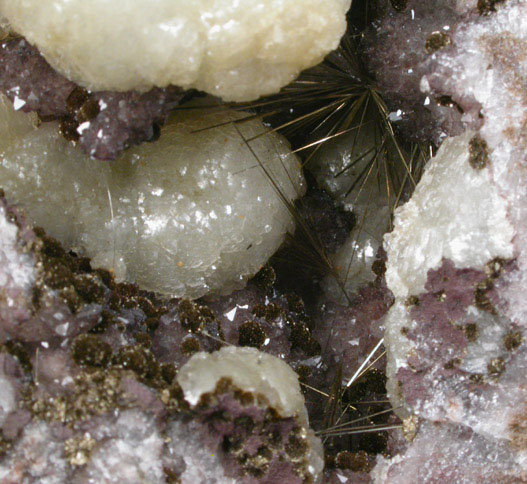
190,214
256,372
250,370
347,168
235,50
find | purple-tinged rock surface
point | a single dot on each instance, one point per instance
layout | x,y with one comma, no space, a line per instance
402,48
456,333
103,123
87,371
444,453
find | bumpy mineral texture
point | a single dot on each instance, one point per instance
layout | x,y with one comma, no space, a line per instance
103,123
87,376
443,453
457,265
401,48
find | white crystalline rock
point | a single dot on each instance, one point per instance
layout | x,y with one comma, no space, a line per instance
398,347
451,454
252,371
345,168
190,214
489,345
35,459
249,370
130,453
235,50
455,213
16,269
201,465
7,398
490,66
127,451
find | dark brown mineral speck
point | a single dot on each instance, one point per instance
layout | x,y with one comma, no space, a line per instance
90,350
354,461
512,340
139,360
496,367
486,7
193,316
399,5
436,41
296,446
189,346
478,153
252,334
471,331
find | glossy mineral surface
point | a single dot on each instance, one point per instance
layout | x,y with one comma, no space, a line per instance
189,214
237,50
250,370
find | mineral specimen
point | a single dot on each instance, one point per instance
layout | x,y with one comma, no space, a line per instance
103,382
455,213
455,336
235,51
117,120
400,49
267,380
89,394
194,212
352,171
451,454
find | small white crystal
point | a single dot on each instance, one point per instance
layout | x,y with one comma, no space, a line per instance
235,50
7,398
130,452
201,465
192,213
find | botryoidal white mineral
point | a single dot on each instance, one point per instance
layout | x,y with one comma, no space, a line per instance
235,50
259,374
347,169
190,214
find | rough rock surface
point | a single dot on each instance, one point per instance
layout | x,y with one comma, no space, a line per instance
444,453
401,48
457,266
87,371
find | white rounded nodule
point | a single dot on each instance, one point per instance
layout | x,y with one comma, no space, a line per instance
190,214
235,50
